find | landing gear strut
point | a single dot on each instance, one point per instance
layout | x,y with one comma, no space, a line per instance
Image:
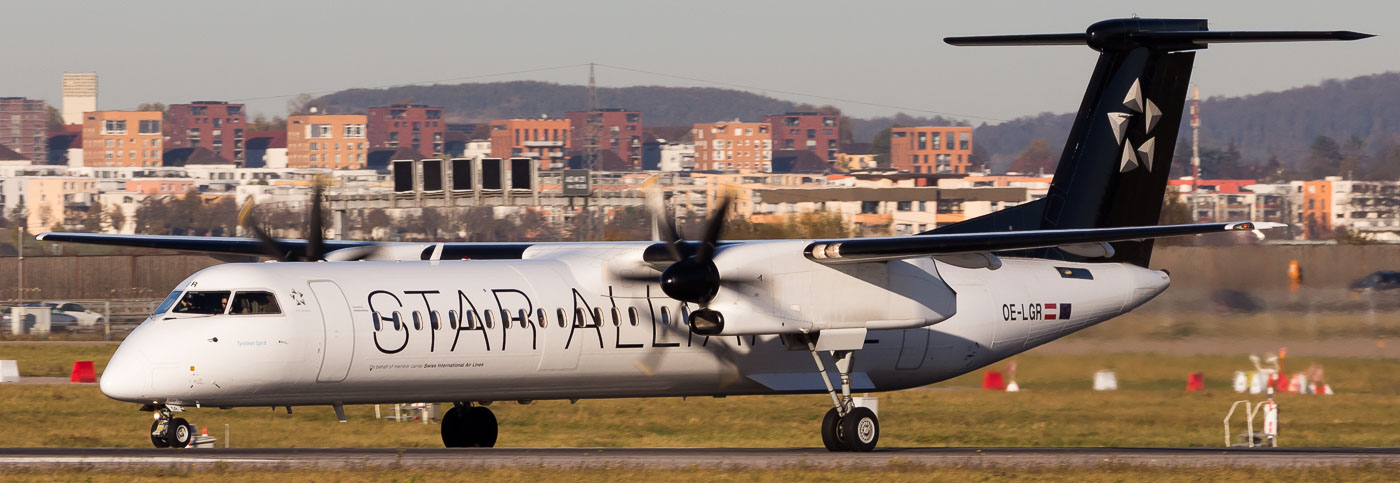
845,427
467,426
168,432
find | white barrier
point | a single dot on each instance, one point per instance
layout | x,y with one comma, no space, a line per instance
1105,380
9,371
1266,408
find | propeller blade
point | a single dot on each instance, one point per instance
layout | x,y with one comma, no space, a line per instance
656,204
270,245
315,240
713,227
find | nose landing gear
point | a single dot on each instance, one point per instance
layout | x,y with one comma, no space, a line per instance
169,432
467,426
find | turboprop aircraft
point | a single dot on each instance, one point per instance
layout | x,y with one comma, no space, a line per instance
350,322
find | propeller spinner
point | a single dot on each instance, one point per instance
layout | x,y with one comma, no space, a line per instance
694,279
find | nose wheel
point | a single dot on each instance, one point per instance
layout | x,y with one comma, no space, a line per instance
466,426
171,432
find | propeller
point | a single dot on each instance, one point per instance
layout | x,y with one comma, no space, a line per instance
695,278
315,240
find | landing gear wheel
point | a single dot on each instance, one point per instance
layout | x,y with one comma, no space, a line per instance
454,429
860,429
483,426
178,433
831,431
157,438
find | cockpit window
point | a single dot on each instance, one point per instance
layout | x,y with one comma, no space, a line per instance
254,303
206,303
168,302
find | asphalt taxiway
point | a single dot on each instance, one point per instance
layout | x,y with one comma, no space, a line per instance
700,457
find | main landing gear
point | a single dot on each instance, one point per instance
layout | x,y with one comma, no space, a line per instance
845,427
467,426
170,432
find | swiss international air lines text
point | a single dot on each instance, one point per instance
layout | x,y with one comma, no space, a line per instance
1035,311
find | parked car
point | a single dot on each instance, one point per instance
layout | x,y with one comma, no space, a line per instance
1377,282
85,317
58,319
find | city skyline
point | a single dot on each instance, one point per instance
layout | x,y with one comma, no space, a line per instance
888,56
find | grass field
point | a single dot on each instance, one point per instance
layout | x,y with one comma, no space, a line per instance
1056,408
894,472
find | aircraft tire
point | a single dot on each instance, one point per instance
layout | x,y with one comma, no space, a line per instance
454,429
861,430
481,427
831,431
178,433
158,440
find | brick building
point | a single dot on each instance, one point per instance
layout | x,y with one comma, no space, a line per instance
413,126
807,131
928,150
123,138
217,126
619,131
746,147
542,139
23,128
335,141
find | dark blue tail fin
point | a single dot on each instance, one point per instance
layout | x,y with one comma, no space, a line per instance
1113,172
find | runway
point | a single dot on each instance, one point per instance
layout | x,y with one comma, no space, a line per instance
701,457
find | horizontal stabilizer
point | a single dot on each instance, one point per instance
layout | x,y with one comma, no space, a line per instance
1159,34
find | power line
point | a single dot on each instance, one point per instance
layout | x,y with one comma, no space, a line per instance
802,94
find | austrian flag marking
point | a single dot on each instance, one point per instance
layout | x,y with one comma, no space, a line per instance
1057,311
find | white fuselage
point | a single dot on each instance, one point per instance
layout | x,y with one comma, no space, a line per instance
489,330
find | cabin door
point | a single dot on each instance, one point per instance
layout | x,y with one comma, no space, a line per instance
339,331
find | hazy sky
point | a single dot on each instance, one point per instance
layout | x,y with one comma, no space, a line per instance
874,52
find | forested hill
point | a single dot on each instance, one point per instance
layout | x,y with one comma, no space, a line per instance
660,106
1283,124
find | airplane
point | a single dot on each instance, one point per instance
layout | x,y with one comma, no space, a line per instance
335,322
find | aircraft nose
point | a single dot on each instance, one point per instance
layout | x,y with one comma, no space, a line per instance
127,376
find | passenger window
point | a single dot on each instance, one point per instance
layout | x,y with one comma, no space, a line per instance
685,314
597,317
375,317
398,320
559,313
578,317
524,319
540,317
417,321
616,314
632,316
665,315
206,303
489,322
452,319
505,319
471,320
433,318
255,303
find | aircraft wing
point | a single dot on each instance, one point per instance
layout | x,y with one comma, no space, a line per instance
1087,242
255,247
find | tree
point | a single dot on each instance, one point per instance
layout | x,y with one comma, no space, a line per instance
116,219
1387,165
1324,158
54,124
261,123
880,146
92,220
156,106
1036,158
1354,159
301,104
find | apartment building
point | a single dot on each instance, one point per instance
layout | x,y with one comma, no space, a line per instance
807,131
214,125
1361,206
23,128
619,131
746,147
335,141
412,126
123,138
79,95
931,149
50,200
545,140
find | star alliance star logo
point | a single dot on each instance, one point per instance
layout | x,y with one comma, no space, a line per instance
298,297
1137,105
